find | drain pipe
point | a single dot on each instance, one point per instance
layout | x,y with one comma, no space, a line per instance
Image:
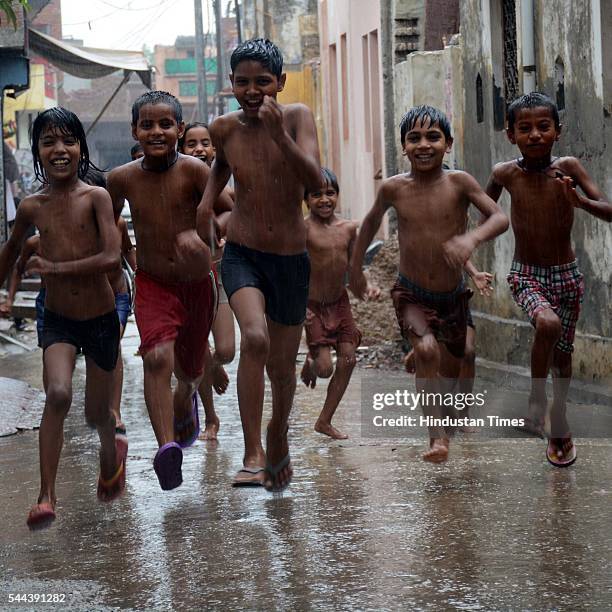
528,46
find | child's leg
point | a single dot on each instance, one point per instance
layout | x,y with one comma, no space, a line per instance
562,375
427,361
248,305
158,367
547,333
100,387
467,373
58,364
211,420
225,346
280,366
345,363
118,390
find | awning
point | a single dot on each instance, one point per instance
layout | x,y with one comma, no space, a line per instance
87,62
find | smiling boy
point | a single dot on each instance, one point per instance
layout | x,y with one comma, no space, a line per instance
79,244
273,154
544,278
430,299
175,288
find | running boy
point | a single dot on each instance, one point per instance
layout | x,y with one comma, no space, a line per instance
175,287
196,142
544,277
79,244
329,320
272,152
430,299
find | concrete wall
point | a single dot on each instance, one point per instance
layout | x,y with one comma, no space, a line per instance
569,31
354,117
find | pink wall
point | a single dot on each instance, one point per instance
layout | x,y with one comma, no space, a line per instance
352,99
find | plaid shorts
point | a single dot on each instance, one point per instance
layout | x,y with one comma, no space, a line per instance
560,288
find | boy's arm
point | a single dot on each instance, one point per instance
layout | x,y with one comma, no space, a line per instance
357,281
494,187
127,248
457,250
594,201
302,154
115,186
10,249
217,179
30,246
107,260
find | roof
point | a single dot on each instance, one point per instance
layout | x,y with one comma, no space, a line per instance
88,62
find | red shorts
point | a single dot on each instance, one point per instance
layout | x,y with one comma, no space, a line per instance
331,324
182,311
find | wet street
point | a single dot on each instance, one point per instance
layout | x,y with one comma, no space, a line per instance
366,524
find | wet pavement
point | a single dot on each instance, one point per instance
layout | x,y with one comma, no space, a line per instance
365,525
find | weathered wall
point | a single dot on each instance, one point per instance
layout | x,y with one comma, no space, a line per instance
567,30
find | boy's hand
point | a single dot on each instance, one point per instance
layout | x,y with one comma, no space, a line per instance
482,282
5,309
372,292
358,284
271,116
39,265
569,190
457,250
190,249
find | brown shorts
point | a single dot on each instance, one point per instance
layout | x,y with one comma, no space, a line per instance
331,324
443,314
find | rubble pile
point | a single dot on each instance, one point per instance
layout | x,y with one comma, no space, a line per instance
376,319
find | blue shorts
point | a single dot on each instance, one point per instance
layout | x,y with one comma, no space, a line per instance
123,307
283,280
40,314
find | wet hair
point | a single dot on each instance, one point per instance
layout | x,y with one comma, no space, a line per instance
183,138
535,99
329,178
259,50
69,125
157,97
421,114
95,177
135,149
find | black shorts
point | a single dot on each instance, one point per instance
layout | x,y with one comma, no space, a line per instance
98,338
283,280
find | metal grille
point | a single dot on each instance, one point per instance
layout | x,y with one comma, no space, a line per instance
511,89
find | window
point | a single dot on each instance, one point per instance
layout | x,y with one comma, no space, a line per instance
479,100
511,89
560,83
345,92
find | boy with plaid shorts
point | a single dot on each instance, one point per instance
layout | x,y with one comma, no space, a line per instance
544,278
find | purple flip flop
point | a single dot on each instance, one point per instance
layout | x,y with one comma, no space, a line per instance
194,418
167,465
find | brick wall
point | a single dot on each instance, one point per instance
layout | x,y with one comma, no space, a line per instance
441,21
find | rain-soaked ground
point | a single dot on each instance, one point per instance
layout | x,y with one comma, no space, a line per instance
365,524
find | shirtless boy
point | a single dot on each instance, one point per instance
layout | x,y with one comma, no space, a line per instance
175,287
429,296
329,320
272,152
79,244
196,142
544,278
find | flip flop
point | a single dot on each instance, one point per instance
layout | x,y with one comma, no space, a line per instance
40,516
109,490
194,419
274,471
167,465
248,482
555,456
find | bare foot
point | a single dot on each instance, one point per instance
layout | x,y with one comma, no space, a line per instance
329,430
220,379
211,428
409,362
309,378
278,469
468,428
438,451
